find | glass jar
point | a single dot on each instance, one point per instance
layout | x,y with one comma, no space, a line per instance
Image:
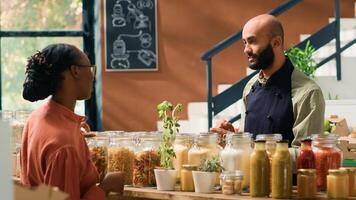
281,171
306,158
205,146
17,126
231,182
121,155
271,142
98,148
327,156
306,183
337,184
260,171
181,147
146,160
236,155
271,145
186,178
8,116
352,180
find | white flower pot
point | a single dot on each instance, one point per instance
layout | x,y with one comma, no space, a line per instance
204,181
165,179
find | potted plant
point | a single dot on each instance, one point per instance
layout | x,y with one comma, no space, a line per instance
205,178
166,175
302,59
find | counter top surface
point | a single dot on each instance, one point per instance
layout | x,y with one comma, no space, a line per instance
152,193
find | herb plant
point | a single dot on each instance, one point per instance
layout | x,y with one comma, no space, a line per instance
302,59
167,113
212,165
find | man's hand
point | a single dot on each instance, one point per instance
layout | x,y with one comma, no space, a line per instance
113,182
223,127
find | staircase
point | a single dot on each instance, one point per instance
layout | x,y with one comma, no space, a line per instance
340,95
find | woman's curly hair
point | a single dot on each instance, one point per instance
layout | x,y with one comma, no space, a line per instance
44,70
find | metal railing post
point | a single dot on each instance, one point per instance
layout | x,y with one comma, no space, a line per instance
210,95
337,40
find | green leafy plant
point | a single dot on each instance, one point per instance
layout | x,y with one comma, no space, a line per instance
330,97
167,113
212,165
302,59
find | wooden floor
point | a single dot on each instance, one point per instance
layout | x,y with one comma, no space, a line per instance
151,193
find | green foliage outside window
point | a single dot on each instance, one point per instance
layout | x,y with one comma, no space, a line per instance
21,15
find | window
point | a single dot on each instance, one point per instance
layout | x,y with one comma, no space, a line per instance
27,26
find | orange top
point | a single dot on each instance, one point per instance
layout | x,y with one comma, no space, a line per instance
54,152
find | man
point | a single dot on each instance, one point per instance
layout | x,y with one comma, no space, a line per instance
280,98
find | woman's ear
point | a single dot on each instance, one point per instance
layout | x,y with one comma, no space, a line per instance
74,70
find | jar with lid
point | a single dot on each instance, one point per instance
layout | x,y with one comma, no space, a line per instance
260,171
98,148
271,142
17,126
186,178
306,158
306,181
205,146
327,156
181,147
146,160
351,171
231,182
8,116
337,184
236,155
121,155
281,171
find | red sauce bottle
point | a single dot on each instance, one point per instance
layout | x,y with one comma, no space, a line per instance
306,158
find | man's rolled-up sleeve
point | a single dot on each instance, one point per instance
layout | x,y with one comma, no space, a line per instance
309,115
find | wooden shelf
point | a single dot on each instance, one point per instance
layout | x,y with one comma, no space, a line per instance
132,193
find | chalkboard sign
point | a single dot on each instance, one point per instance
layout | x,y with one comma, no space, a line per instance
131,37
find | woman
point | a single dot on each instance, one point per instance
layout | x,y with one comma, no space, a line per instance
53,150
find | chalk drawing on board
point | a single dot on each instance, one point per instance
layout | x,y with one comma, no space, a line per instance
118,17
133,13
141,4
142,22
146,40
120,56
146,57
131,42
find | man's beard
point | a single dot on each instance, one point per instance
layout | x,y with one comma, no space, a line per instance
264,60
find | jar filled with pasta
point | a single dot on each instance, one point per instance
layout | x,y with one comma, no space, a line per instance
146,160
98,147
121,155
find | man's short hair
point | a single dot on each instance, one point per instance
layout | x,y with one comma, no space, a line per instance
276,30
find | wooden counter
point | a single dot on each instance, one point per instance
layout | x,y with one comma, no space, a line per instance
131,193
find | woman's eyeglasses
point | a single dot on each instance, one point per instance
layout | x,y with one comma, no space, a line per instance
92,67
